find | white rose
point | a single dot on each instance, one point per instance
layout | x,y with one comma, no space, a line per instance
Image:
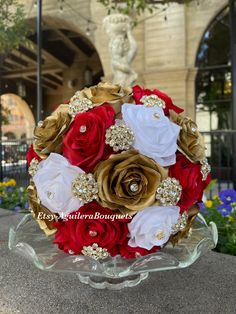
53,181
152,226
155,135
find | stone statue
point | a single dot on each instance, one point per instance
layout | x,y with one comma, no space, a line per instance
122,47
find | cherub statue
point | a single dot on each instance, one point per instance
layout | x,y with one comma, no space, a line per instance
123,48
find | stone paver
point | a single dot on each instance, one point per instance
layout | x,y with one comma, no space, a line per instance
208,286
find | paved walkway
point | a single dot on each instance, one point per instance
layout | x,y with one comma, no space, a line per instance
208,286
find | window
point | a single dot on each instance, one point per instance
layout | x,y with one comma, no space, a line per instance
213,82
213,96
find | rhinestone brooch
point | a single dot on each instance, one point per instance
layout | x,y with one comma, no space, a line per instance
181,223
77,105
205,169
33,168
85,188
169,192
119,137
153,101
95,251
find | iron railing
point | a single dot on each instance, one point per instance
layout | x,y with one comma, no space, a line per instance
221,153
14,164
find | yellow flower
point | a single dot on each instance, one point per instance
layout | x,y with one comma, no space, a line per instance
13,182
208,203
215,197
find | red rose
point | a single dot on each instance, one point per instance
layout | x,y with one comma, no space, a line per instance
190,178
31,154
139,92
84,143
97,227
127,251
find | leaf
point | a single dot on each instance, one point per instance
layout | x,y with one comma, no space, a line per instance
211,185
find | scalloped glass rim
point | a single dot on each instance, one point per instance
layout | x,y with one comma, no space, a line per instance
28,240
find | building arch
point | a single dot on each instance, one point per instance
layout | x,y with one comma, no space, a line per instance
198,22
20,119
213,88
213,79
67,54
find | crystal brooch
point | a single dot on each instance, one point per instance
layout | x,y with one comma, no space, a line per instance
95,251
181,223
205,169
33,168
79,105
119,137
85,188
153,101
169,192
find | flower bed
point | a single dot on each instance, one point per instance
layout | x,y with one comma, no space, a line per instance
222,210
13,197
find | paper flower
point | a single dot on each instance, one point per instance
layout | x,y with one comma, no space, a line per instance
84,144
53,182
190,141
77,233
128,181
48,133
152,226
190,178
139,92
154,134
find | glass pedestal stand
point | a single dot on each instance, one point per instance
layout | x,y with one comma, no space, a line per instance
28,240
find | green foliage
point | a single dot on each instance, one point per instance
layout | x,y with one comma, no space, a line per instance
226,225
13,27
135,8
129,7
13,197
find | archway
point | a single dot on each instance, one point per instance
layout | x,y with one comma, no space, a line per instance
213,81
20,118
70,62
213,95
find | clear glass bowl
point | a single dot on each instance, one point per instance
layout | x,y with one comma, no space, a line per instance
28,240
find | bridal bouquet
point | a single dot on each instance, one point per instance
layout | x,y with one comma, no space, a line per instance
116,171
